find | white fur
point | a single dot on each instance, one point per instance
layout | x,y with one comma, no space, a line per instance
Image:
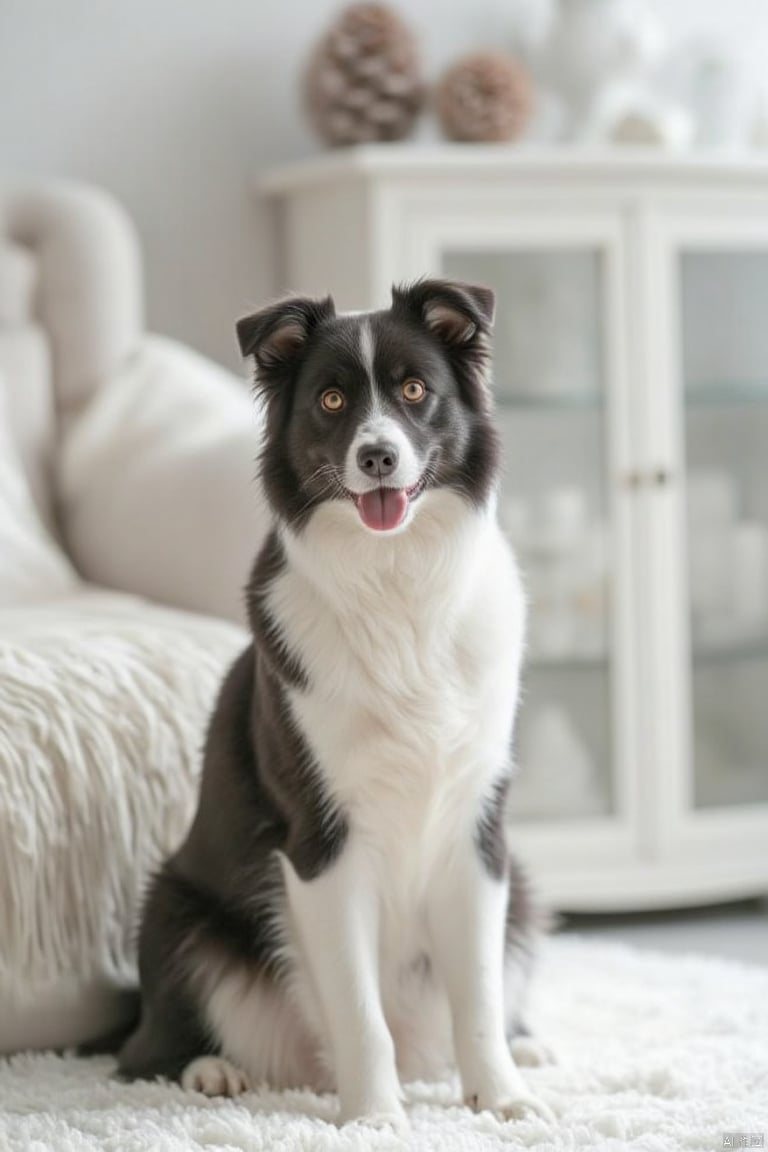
412,645
378,427
265,1032
381,428
213,1076
367,352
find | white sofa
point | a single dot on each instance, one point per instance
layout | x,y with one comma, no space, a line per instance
129,516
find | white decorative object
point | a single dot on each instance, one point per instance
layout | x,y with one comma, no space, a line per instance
713,500
592,45
712,511
560,521
557,776
551,625
620,660
720,100
748,565
709,571
565,557
639,115
728,561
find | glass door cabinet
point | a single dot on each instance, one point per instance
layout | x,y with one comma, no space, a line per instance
631,386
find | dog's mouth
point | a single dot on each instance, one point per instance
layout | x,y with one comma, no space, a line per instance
383,509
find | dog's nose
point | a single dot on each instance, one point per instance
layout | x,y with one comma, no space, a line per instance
379,459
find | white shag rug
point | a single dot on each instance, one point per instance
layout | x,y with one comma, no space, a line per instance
656,1052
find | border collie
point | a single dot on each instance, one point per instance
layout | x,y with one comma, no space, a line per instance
345,912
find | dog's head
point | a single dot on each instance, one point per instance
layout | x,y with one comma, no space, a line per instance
376,409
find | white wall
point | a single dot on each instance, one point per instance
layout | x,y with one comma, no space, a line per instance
175,105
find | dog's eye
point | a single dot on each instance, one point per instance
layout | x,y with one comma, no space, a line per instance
414,391
332,400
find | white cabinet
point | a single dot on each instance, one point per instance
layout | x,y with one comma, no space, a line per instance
632,388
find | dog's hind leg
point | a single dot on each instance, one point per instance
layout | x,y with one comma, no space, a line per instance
526,924
165,1042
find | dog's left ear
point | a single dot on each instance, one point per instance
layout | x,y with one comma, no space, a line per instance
460,316
456,313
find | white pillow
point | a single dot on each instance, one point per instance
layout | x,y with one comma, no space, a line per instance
32,566
157,482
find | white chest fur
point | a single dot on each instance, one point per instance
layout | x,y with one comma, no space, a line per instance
412,646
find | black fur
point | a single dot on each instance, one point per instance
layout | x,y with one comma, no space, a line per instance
215,896
266,633
491,841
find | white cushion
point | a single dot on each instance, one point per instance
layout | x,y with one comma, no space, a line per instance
158,482
32,566
104,701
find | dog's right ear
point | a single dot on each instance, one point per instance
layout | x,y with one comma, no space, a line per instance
276,336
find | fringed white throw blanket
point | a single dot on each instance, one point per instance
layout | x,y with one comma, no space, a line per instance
104,701
657,1053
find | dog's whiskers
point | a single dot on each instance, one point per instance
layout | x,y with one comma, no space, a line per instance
331,487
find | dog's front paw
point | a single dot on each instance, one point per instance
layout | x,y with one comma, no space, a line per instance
384,1113
521,1106
499,1088
213,1076
529,1052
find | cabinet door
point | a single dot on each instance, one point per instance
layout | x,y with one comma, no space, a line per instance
562,402
715,277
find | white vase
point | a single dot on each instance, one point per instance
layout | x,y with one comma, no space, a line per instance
722,102
593,43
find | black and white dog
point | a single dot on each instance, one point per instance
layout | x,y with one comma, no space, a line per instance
344,912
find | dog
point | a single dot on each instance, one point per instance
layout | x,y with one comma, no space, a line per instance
345,913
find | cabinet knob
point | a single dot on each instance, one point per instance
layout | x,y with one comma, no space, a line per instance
658,477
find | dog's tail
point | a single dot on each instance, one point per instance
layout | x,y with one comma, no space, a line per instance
528,921
129,1013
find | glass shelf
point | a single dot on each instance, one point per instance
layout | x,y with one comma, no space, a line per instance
731,650
704,395
708,394
575,662
704,652
574,401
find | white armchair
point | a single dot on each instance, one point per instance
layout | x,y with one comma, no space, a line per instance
129,516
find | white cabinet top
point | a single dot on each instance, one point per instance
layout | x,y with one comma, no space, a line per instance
617,164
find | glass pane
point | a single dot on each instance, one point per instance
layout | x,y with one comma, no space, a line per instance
550,389
725,364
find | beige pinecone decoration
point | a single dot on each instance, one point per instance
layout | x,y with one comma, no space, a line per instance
364,78
485,96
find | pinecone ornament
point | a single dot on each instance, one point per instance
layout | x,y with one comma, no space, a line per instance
485,96
364,78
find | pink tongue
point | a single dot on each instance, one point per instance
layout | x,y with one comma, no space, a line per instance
382,509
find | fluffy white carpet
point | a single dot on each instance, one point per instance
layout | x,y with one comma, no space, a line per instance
657,1053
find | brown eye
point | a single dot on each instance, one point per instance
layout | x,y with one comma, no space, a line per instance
414,391
332,400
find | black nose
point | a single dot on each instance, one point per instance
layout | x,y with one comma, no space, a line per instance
379,459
